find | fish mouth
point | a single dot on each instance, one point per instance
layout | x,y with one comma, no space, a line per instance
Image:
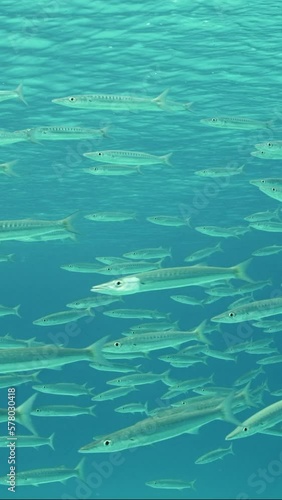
101,289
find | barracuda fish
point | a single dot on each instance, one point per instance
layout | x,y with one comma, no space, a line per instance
17,229
53,236
61,318
185,299
7,168
267,154
183,386
126,267
136,313
171,277
165,425
221,232
167,220
149,327
7,258
247,377
140,379
133,408
268,226
110,216
28,441
270,360
203,253
94,301
254,310
81,267
61,132
269,145
150,341
149,253
214,455
22,414
62,411
7,311
122,102
65,389
112,170
239,123
271,250
219,172
117,392
128,157
16,379
47,356
263,216
7,137
171,484
13,94
263,419
45,476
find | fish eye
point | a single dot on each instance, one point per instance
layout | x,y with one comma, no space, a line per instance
269,144
117,344
214,119
99,154
273,189
37,410
262,181
107,442
231,315
72,99
245,429
118,283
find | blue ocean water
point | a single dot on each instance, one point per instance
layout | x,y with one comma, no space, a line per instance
225,57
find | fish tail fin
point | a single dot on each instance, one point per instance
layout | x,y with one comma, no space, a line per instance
246,393
166,377
16,309
226,410
19,91
160,100
95,351
89,312
269,124
240,271
231,449
35,377
105,131
200,333
67,222
8,168
11,257
51,441
193,484
23,414
91,411
219,247
146,408
166,159
187,106
80,469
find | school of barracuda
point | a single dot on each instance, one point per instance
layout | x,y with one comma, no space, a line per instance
187,404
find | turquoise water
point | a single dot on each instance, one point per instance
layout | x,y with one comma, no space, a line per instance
225,57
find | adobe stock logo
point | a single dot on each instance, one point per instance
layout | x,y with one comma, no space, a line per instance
262,478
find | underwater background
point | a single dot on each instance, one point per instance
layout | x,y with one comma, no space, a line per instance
226,58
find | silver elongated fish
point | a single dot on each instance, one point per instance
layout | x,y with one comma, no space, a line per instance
171,484
236,122
128,157
17,93
213,455
47,356
253,310
17,229
122,102
63,317
171,277
45,476
62,411
261,420
28,441
165,425
61,132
